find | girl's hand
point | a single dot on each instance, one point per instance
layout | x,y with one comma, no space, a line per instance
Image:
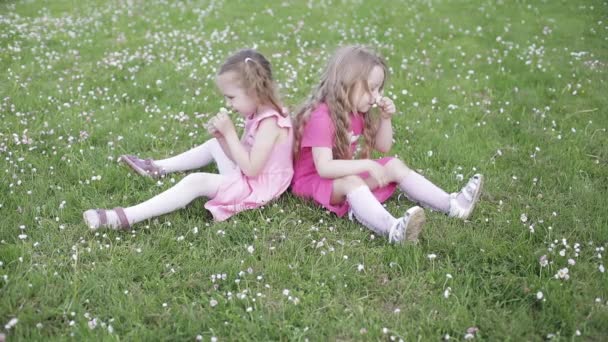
387,107
222,123
211,129
376,171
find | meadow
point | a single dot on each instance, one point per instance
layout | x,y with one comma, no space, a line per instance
515,90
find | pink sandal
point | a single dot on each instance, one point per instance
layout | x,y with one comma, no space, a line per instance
103,218
471,192
144,167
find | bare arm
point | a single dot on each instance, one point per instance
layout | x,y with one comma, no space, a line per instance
252,162
384,136
328,167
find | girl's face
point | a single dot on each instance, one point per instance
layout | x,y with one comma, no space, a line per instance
237,98
363,99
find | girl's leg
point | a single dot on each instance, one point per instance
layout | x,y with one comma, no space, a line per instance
421,190
198,157
366,208
191,187
418,188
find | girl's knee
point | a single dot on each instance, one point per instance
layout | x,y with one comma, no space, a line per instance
351,182
343,186
212,143
397,168
194,178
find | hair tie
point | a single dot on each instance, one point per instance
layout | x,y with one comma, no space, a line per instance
247,59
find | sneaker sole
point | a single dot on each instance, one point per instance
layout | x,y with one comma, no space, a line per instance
415,223
475,197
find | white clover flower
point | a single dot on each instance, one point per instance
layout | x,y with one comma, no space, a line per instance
543,261
539,295
92,323
11,323
562,274
213,303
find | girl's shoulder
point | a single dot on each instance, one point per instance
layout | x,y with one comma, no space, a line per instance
319,121
320,112
283,121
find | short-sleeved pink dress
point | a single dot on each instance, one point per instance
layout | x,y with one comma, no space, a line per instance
319,132
239,192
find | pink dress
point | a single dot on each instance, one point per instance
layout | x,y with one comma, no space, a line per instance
239,192
319,132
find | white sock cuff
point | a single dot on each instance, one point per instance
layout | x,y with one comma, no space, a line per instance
358,190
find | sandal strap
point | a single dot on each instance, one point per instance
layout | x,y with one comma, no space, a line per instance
146,166
122,217
103,218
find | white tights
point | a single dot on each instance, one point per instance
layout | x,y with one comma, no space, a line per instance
192,186
198,157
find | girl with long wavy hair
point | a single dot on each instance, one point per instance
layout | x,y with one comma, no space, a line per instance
331,168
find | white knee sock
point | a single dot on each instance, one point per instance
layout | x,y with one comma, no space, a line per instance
198,157
369,211
421,190
191,187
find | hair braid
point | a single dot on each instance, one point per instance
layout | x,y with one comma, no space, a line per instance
349,67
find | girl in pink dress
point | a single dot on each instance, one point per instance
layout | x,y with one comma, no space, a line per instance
331,168
253,170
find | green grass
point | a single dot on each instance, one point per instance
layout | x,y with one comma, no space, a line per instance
515,90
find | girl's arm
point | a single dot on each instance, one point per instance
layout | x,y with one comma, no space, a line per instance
384,135
328,167
219,137
252,162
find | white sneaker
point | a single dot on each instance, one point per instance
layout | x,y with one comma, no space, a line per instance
408,227
471,192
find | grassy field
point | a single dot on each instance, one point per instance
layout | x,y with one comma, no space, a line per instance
515,90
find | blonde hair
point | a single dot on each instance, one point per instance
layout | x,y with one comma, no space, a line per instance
349,66
255,74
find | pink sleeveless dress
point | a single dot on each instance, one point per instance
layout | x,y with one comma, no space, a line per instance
239,192
319,132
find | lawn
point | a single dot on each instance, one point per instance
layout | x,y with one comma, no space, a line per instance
515,90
